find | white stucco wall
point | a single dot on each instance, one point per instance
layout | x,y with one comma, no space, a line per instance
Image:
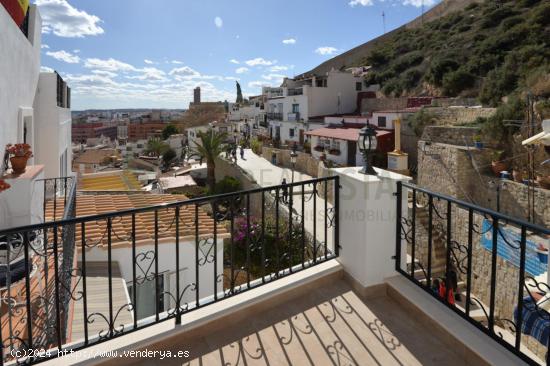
167,262
19,70
53,129
324,101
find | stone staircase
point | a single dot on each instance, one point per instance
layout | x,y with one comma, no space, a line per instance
439,243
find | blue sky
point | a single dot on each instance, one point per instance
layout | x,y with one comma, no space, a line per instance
152,53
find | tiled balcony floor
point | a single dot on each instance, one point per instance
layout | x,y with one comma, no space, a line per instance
329,325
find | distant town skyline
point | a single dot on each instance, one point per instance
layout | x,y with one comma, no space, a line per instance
144,54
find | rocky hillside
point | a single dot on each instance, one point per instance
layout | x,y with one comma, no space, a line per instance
355,55
487,50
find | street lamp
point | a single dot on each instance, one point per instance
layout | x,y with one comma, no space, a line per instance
293,156
499,185
367,143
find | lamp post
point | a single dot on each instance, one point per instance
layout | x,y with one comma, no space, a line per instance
499,185
367,143
293,156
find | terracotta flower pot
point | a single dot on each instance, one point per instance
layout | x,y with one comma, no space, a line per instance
498,166
19,164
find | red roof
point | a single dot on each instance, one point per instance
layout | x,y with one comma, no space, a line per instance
348,134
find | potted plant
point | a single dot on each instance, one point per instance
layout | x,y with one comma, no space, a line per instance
19,155
3,185
498,165
477,142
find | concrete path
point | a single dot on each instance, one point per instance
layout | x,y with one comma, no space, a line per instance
267,174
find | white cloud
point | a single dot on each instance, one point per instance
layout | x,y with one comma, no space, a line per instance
150,74
218,22
259,61
257,84
232,78
105,73
418,3
354,3
45,46
76,51
326,50
289,41
233,61
108,65
176,62
185,73
241,70
148,62
279,68
64,56
62,19
46,69
278,78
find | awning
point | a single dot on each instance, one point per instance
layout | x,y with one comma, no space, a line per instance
17,9
541,138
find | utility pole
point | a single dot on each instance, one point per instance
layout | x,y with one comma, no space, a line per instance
422,12
384,21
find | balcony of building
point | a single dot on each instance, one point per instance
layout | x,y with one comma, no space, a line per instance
334,270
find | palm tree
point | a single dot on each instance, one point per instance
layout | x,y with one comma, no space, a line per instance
156,147
209,146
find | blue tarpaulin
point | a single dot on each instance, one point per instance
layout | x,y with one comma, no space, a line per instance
511,253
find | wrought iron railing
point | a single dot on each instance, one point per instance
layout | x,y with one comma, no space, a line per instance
489,268
295,91
275,116
175,258
57,191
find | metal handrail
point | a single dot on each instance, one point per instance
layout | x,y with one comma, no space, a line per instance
276,243
435,222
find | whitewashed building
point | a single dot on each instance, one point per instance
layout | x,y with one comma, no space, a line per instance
35,109
299,105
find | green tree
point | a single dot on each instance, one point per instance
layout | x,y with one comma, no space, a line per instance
239,93
168,156
169,131
156,147
209,146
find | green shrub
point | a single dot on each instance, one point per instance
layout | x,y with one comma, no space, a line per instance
457,81
227,185
497,128
438,69
542,15
411,78
406,61
420,120
256,146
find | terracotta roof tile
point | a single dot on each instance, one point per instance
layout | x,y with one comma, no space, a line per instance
96,231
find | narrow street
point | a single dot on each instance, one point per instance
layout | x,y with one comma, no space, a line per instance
267,174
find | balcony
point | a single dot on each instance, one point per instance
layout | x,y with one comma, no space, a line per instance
295,91
321,271
293,117
63,93
275,116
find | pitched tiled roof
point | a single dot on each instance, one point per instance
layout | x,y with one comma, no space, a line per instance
95,156
112,181
96,230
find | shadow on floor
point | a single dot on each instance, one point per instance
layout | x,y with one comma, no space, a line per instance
331,325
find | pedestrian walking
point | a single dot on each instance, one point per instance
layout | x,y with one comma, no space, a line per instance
285,190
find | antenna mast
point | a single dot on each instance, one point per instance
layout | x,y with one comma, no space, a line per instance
384,21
